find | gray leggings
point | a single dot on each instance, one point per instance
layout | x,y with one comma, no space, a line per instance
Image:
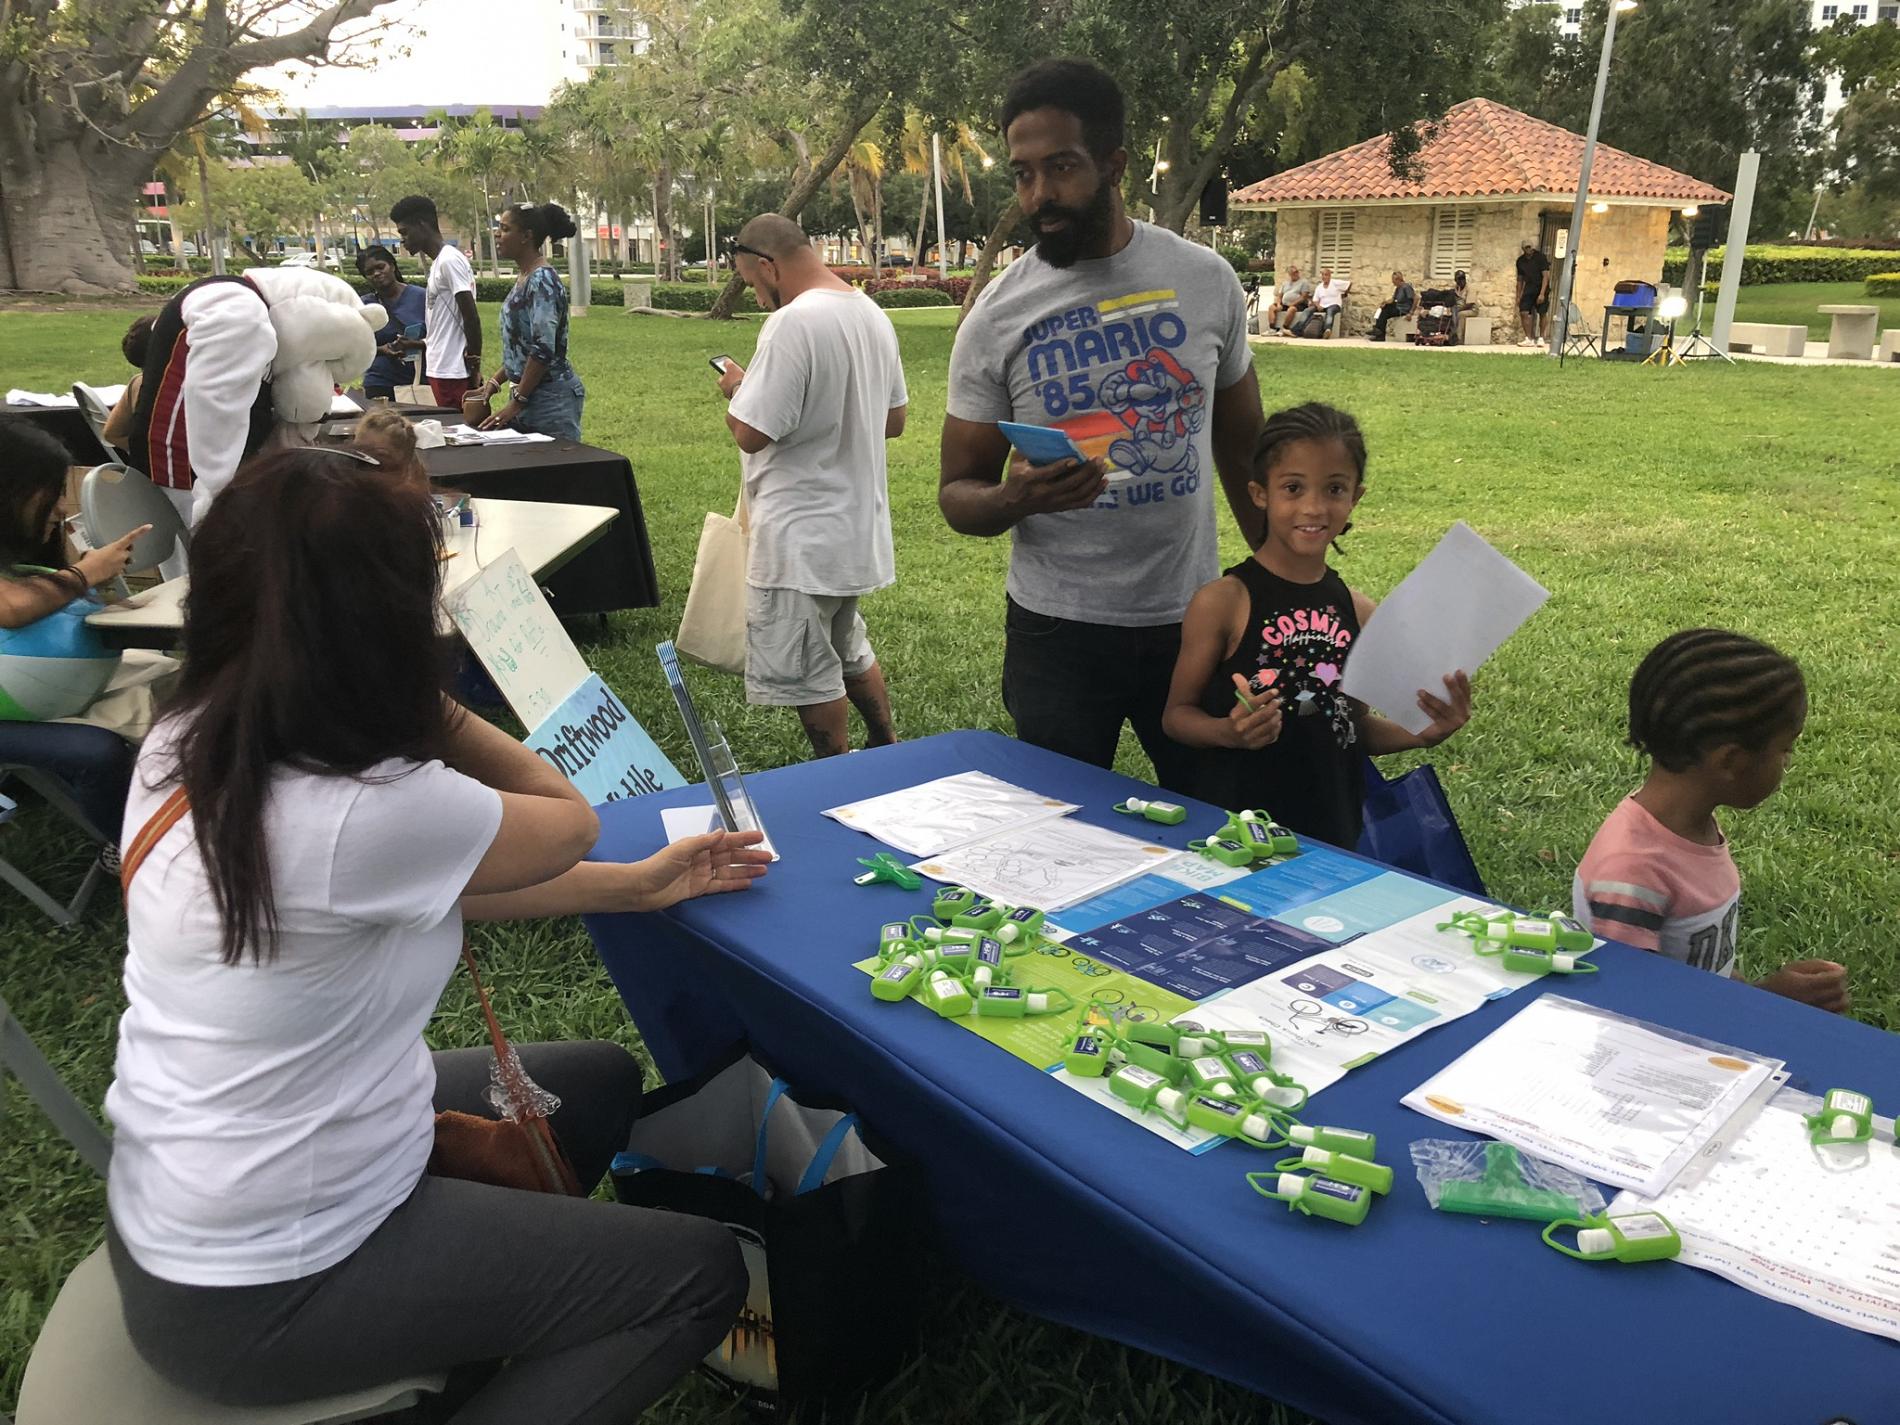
597,1308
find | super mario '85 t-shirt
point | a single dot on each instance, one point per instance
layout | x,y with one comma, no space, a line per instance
1124,353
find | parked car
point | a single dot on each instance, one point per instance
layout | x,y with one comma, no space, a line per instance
147,247
310,259
190,248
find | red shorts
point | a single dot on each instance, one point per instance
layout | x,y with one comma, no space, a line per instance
449,390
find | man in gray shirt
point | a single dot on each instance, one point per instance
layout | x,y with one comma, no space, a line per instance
1133,341
1296,293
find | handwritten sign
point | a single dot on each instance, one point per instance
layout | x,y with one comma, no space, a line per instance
601,748
506,620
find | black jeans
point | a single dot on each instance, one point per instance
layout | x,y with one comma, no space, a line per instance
597,1308
1386,314
1071,685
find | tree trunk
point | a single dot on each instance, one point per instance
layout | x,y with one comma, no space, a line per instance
215,247
67,222
877,226
923,216
986,259
815,175
666,259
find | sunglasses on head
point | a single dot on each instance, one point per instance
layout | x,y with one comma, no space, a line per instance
734,247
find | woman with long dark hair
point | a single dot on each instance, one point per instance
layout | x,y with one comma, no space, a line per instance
273,1227
547,395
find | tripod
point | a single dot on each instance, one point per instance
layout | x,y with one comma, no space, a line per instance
1698,346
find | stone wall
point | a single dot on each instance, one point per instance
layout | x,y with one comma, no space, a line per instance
1624,242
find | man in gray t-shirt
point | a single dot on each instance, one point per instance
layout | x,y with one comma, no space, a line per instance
1133,342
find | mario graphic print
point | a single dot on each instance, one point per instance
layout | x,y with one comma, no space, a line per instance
1111,377
1303,658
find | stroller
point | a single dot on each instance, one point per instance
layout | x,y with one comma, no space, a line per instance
1437,317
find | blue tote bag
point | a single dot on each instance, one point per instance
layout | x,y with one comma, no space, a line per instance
1408,824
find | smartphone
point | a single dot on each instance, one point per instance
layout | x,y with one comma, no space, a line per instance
413,331
1041,445
719,363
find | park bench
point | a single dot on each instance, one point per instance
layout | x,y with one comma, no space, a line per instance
1769,338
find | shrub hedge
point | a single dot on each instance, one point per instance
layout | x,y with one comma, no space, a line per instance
1767,263
1883,284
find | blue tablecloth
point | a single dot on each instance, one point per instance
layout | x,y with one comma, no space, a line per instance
1083,1218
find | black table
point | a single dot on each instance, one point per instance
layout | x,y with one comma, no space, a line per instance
615,573
66,424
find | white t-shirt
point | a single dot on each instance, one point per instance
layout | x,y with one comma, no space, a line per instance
445,343
823,378
1328,295
268,1116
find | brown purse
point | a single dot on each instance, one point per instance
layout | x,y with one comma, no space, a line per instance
520,1151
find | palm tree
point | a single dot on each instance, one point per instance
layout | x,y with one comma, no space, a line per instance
864,172
313,147
487,153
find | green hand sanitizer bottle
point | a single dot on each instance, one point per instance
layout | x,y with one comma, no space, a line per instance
983,915
897,979
1223,849
1165,813
947,994
1021,924
1008,1002
1635,1237
1341,1168
1155,1060
1230,1120
950,900
1845,1117
956,956
1542,962
1214,1075
893,938
1316,1197
1144,1091
1195,1042
1271,1087
1091,1053
1339,1140
989,963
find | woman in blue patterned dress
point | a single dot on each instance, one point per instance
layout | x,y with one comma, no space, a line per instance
547,395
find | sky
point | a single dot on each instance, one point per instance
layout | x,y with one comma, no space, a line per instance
444,52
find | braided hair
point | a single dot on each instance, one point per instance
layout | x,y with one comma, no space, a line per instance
1706,688
1313,421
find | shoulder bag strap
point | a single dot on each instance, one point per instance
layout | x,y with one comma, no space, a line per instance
170,812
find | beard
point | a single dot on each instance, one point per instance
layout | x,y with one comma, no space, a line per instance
766,295
1088,228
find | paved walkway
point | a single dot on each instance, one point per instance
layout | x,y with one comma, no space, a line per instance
1816,350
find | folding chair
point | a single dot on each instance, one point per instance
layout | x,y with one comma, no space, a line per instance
97,412
84,1366
114,500
1579,340
55,794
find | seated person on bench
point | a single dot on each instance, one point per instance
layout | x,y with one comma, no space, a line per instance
1404,299
1321,313
1290,299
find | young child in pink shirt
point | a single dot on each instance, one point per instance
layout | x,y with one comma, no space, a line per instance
1717,714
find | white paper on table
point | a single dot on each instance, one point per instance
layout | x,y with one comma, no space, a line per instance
342,405
1448,614
1049,865
469,435
1627,1103
17,397
1816,1228
933,817
682,822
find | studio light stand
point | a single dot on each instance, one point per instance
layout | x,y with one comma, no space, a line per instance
1698,346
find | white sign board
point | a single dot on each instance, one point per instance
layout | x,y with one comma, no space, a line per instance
507,621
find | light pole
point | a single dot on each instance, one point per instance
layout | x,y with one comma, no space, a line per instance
936,171
1560,328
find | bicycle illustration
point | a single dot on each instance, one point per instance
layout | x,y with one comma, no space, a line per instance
1323,1021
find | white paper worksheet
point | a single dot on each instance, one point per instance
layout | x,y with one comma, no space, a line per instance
1050,864
1617,1100
1450,613
1817,1228
932,817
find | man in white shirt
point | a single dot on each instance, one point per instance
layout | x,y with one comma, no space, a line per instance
452,339
1323,310
825,391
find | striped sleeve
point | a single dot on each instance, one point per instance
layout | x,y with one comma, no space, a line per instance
1622,905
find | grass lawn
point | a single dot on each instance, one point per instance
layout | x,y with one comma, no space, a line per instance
1758,497
1794,304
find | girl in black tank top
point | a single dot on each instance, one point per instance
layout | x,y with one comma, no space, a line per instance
1278,629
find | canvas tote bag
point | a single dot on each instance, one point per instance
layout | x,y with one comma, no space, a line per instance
712,630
